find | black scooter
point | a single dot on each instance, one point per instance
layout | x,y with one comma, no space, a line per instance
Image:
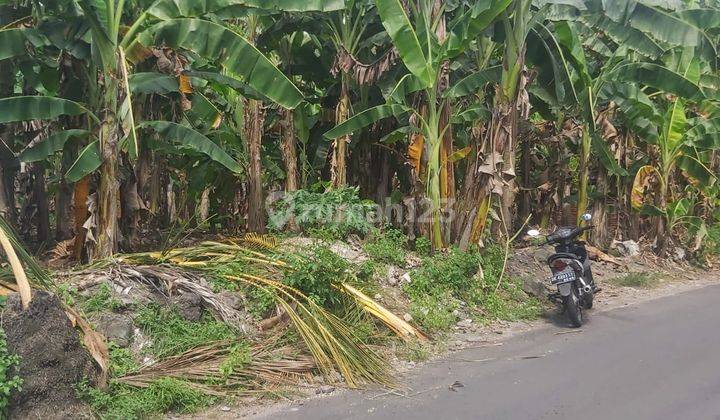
571,273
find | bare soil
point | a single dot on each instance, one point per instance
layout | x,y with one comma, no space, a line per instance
52,359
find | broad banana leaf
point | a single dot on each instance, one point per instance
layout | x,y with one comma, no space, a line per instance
472,114
626,36
25,108
665,26
151,82
243,88
171,9
697,172
644,178
472,23
470,84
397,24
659,77
364,119
674,125
86,163
235,53
188,137
567,36
12,42
602,151
48,146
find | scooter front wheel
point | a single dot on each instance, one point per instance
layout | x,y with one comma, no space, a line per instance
573,307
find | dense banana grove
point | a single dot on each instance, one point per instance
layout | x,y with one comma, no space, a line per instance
462,120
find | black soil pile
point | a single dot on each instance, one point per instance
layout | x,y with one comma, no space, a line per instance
52,359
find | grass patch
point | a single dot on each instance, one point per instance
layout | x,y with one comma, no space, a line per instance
637,280
450,281
171,334
101,300
387,246
125,402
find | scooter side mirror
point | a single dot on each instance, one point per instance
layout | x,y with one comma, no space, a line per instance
587,217
533,232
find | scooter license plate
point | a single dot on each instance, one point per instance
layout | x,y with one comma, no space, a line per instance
563,277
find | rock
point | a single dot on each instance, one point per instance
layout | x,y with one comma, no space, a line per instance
465,323
231,299
456,313
535,287
325,389
475,339
406,278
116,328
626,248
394,275
679,254
189,306
407,317
225,408
52,359
354,254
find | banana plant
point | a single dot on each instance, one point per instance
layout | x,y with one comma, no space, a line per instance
424,54
176,24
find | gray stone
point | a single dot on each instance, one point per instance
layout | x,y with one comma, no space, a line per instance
407,317
628,248
325,389
117,328
465,323
679,254
189,306
535,287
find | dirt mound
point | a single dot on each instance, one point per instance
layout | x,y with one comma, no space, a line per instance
52,359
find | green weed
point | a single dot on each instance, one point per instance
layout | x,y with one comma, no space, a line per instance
125,402
9,381
637,280
101,300
387,246
171,334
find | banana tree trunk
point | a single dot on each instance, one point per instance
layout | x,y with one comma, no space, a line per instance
288,150
584,174
80,215
601,236
338,165
109,187
41,201
254,120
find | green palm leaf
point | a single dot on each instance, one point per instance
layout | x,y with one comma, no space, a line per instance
26,108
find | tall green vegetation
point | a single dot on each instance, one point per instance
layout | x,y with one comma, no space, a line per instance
118,117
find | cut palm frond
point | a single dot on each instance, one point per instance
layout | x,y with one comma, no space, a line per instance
331,342
37,274
206,368
259,241
398,325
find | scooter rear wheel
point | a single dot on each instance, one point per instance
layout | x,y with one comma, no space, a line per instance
573,307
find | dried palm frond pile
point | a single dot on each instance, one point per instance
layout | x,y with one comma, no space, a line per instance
268,368
253,262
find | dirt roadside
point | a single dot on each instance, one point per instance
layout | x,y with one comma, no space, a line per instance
528,264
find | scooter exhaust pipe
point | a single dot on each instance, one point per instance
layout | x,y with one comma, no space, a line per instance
585,287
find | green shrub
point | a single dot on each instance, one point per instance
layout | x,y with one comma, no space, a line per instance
711,242
171,334
337,212
451,271
315,273
387,246
9,381
434,311
125,402
423,246
122,361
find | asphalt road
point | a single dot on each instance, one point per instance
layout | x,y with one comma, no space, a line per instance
656,360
